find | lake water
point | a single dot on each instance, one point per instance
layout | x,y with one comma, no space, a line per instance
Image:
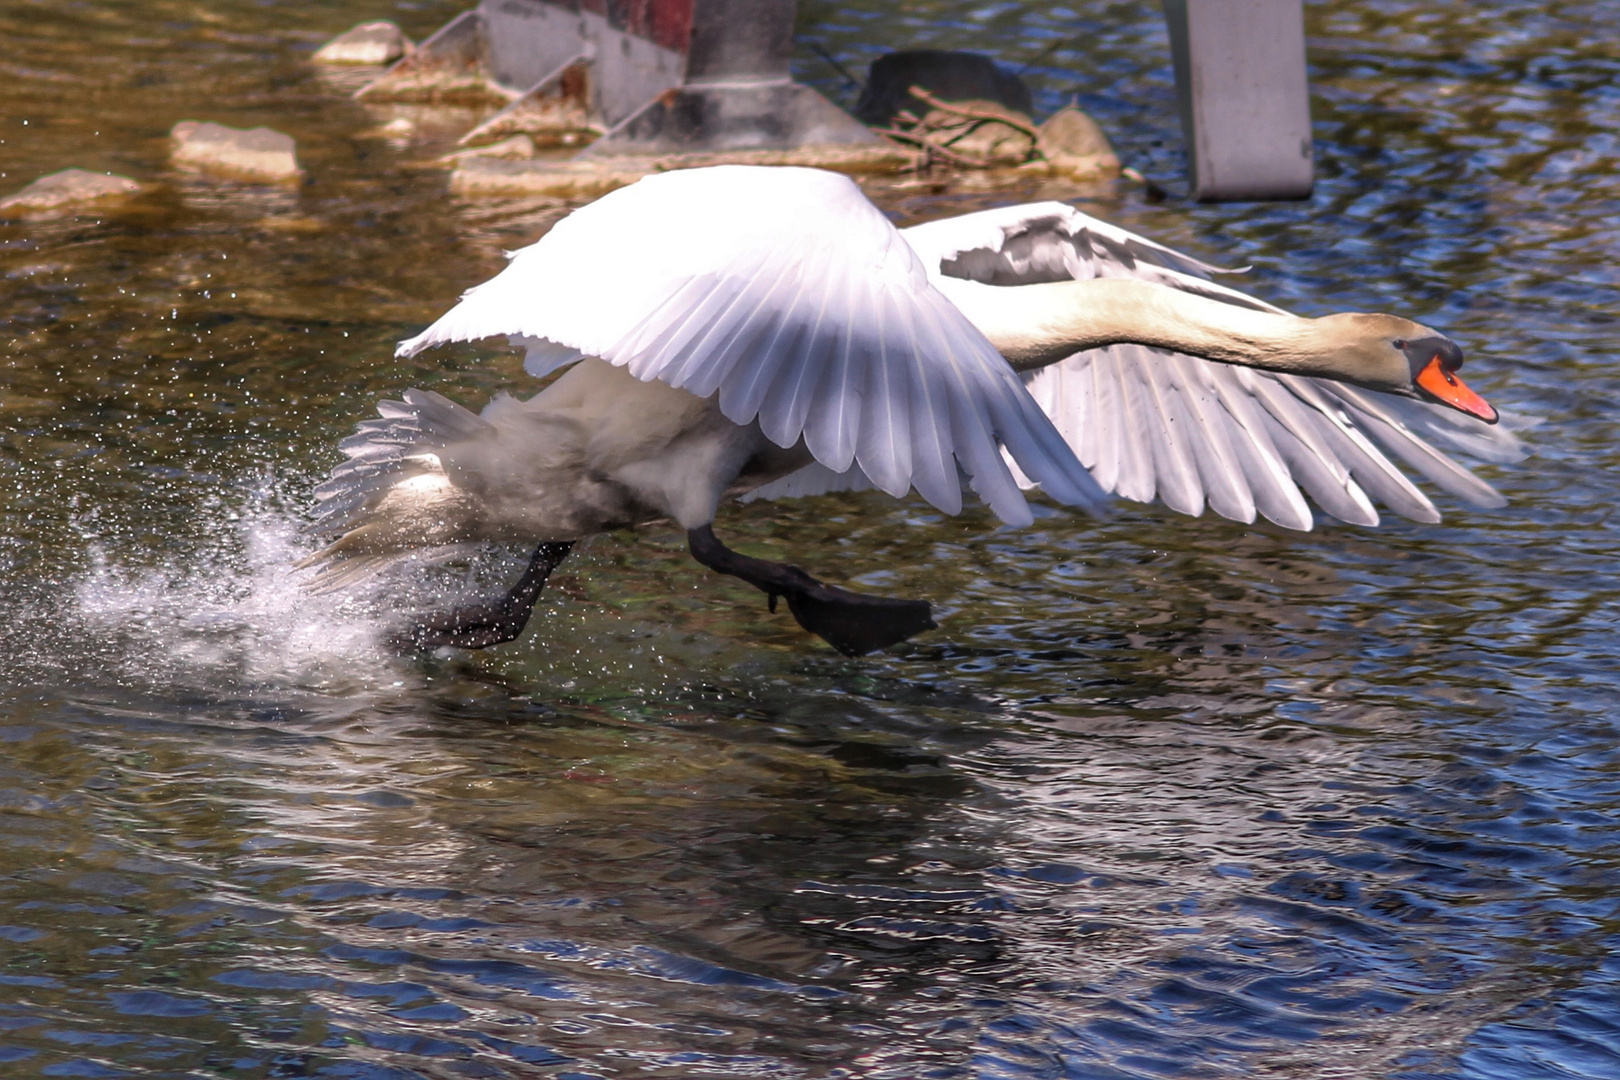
1162,797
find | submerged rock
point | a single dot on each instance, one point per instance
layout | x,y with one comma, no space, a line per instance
369,43
70,187
1075,146
259,154
590,178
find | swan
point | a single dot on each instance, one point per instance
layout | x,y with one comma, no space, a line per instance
741,330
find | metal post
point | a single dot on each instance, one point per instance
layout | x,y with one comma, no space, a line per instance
737,94
1244,97
648,76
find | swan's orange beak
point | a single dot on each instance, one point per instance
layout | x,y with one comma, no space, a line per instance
1444,386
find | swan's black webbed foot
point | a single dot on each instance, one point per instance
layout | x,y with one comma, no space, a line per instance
850,622
478,626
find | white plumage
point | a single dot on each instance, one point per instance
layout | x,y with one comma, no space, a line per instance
787,294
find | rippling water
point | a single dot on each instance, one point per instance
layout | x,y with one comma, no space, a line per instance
1162,797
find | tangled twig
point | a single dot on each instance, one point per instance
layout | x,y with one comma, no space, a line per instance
937,140
933,149
973,114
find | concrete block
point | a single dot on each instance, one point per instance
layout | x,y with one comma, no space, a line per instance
258,155
65,189
1245,100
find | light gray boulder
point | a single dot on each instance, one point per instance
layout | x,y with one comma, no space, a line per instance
369,43
259,154
1076,147
70,187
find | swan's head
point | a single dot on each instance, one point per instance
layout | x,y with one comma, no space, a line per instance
1403,357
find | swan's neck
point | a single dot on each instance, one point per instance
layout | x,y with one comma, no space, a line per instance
1036,325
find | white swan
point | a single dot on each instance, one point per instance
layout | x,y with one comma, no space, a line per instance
737,328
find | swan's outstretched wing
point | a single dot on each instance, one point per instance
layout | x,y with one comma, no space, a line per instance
1194,432
788,294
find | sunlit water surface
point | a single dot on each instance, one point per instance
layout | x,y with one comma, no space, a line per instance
1162,797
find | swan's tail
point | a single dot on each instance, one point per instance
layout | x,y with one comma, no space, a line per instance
392,498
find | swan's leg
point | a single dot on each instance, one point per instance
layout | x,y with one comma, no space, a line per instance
850,622
480,625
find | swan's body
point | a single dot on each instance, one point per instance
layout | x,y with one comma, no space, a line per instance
738,330
596,450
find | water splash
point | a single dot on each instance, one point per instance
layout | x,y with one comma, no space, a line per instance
230,611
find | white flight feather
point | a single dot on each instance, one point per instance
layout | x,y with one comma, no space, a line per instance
696,278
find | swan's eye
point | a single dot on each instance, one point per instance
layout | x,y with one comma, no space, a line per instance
1440,352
